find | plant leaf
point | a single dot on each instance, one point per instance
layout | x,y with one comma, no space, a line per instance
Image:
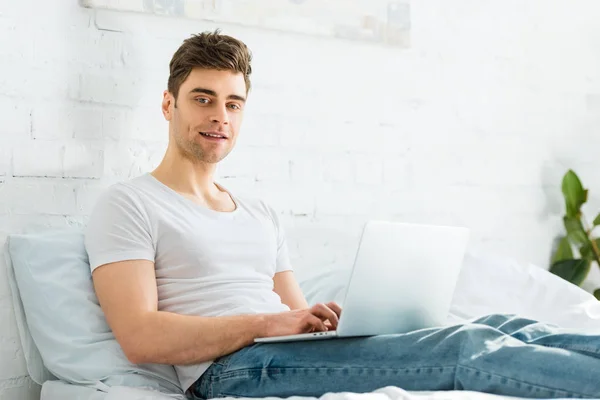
574,271
587,252
597,220
563,252
574,193
575,230
597,294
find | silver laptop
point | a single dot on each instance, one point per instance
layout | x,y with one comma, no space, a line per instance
403,279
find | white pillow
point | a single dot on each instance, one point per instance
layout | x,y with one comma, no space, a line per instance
33,360
492,284
327,284
60,321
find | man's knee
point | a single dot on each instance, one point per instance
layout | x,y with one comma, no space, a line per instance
494,320
476,330
478,339
507,323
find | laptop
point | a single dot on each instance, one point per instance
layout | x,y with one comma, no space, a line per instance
402,280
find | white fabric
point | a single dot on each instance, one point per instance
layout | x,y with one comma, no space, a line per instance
58,390
207,263
54,390
491,284
61,321
33,359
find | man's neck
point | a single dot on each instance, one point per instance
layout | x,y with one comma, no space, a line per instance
187,179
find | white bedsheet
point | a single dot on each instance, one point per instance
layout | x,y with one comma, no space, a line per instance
55,390
487,284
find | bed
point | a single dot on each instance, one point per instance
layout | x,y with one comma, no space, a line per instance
487,284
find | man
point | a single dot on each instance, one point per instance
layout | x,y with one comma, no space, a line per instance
189,274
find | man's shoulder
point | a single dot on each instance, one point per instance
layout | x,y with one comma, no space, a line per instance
123,191
255,203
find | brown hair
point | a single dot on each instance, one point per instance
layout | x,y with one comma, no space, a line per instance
210,50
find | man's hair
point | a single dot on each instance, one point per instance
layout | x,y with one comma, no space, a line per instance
209,50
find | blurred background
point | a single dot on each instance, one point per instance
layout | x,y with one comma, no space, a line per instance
471,116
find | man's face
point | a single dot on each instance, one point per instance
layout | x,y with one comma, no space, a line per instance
210,102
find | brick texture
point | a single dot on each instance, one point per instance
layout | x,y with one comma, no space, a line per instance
476,129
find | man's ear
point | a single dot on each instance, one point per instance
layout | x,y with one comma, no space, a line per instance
168,103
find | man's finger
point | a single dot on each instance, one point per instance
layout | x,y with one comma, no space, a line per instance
316,324
325,313
335,307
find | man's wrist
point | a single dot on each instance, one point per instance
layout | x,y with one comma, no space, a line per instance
259,326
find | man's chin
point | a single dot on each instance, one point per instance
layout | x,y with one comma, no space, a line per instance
210,158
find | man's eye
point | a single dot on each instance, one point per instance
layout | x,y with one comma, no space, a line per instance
202,100
234,106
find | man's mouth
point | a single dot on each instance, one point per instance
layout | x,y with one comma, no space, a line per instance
213,135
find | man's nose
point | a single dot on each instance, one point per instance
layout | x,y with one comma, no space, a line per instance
220,115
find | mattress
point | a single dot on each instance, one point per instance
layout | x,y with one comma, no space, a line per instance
57,390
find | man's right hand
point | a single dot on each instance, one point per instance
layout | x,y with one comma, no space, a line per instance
314,319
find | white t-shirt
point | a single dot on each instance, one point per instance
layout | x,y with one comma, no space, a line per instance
207,262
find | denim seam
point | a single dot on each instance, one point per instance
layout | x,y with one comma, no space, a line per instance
463,343
278,370
556,391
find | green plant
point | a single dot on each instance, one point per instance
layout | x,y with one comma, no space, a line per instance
565,263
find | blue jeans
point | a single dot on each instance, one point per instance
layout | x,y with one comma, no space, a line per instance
500,354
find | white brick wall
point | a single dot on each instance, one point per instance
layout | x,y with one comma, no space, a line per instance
475,125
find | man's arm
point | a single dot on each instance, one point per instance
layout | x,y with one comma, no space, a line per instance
286,286
127,293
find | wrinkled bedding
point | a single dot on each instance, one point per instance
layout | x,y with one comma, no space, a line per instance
58,390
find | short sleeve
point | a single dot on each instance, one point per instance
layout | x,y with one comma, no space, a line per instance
283,262
118,229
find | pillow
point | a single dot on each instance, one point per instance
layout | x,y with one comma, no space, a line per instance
33,360
327,284
60,321
492,284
